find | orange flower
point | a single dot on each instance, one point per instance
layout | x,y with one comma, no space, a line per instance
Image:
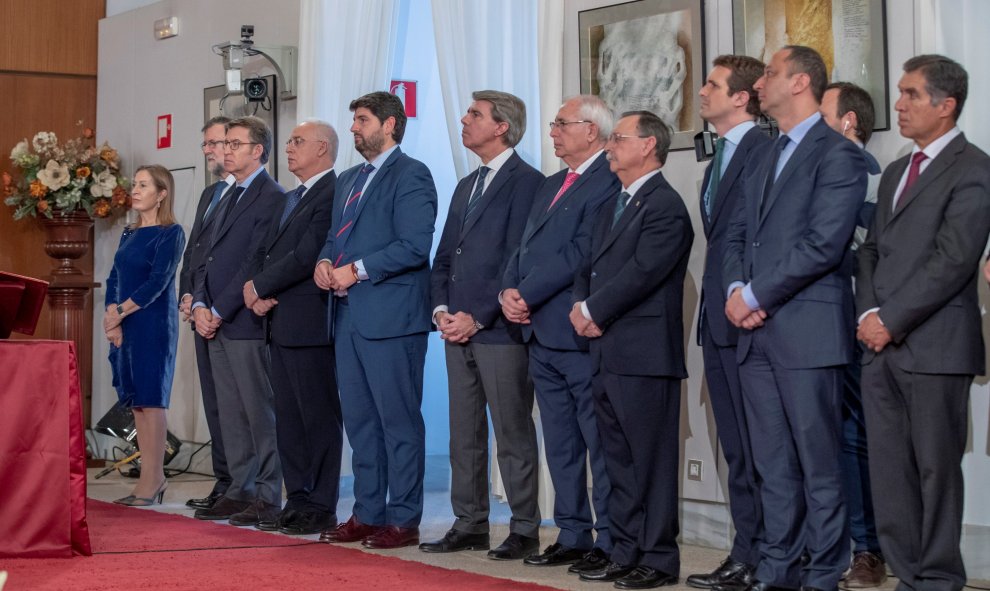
42,205
101,208
120,197
38,189
83,172
108,155
88,133
8,180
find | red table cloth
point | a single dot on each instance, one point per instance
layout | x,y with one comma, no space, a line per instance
42,451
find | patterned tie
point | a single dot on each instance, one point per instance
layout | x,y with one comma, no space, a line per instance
225,210
568,181
217,194
620,206
479,188
913,174
349,215
291,202
715,177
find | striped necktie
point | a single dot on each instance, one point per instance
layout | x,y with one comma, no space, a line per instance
620,206
349,215
479,188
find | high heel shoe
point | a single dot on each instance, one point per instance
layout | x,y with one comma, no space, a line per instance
155,498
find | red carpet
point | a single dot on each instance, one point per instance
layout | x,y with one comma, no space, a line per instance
135,549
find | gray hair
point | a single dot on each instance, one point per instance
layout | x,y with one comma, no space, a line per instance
591,108
506,108
944,78
327,133
218,120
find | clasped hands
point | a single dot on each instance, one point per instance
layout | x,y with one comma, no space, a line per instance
739,313
514,307
334,279
583,326
111,326
258,305
456,328
873,333
205,322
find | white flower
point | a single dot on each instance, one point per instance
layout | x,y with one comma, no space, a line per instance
20,150
54,175
103,184
43,140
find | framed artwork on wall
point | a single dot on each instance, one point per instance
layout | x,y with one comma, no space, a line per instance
851,36
645,55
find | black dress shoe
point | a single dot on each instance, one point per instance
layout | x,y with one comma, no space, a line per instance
285,516
455,541
258,511
515,547
611,571
593,560
206,502
730,571
308,522
554,555
753,585
222,509
645,577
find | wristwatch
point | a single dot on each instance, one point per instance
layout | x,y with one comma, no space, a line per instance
478,325
120,310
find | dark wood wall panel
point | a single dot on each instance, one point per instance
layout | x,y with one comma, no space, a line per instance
52,36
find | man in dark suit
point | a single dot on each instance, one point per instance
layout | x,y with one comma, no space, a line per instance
537,295
235,334
848,109
628,299
919,316
376,262
301,372
731,105
787,267
196,250
486,358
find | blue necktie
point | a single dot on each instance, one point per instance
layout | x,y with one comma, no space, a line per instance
479,188
293,200
225,209
349,215
778,149
620,206
217,194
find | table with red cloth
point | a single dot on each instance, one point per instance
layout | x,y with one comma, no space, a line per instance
42,452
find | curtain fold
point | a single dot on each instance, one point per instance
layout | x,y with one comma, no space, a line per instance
550,44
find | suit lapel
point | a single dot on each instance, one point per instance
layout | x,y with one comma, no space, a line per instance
243,203
940,164
701,202
369,190
308,198
634,208
547,212
732,171
806,148
888,189
490,193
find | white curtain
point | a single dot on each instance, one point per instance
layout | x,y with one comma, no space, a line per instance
488,45
346,49
550,45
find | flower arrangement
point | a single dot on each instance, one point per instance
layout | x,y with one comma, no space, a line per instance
77,175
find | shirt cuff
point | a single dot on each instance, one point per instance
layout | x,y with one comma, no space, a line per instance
585,312
362,274
732,287
749,298
500,297
867,313
198,305
215,313
433,316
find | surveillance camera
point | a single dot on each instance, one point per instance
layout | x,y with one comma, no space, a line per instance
247,31
255,89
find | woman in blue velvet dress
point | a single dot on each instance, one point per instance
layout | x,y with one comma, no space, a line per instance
142,322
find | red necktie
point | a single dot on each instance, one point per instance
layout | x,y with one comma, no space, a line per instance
568,181
913,174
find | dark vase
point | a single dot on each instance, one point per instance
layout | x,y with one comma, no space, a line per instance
67,239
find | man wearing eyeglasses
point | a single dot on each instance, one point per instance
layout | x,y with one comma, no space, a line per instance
196,250
235,333
628,301
301,371
537,295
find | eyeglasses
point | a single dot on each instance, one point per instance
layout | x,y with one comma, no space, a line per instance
618,137
235,145
298,141
211,144
562,124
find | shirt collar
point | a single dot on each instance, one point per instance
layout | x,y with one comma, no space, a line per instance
587,163
316,177
637,184
797,133
499,161
247,182
735,135
381,158
933,149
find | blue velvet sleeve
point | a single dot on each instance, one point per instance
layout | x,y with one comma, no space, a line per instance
168,253
111,294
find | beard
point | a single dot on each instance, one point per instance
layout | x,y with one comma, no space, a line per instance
217,169
370,146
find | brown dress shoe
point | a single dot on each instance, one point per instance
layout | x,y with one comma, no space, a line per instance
867,570
350,531
392,536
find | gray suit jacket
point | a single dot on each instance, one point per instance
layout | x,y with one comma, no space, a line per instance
920,264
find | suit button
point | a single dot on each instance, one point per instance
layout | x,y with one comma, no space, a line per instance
453,277
458,251
210,259
756,245
594,274
196,245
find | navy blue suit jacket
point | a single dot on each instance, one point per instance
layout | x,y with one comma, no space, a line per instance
392,236
633,283
751,148
552,248
226,266
472,255
796,252
283,268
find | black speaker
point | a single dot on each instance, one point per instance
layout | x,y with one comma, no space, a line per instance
119,422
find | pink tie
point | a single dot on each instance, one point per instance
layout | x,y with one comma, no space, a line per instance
568,181
913,173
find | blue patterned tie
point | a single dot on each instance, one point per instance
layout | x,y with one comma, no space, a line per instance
620,206
479,188
349,215
293,200
217,193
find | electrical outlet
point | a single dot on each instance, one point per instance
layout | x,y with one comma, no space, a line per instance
694,470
